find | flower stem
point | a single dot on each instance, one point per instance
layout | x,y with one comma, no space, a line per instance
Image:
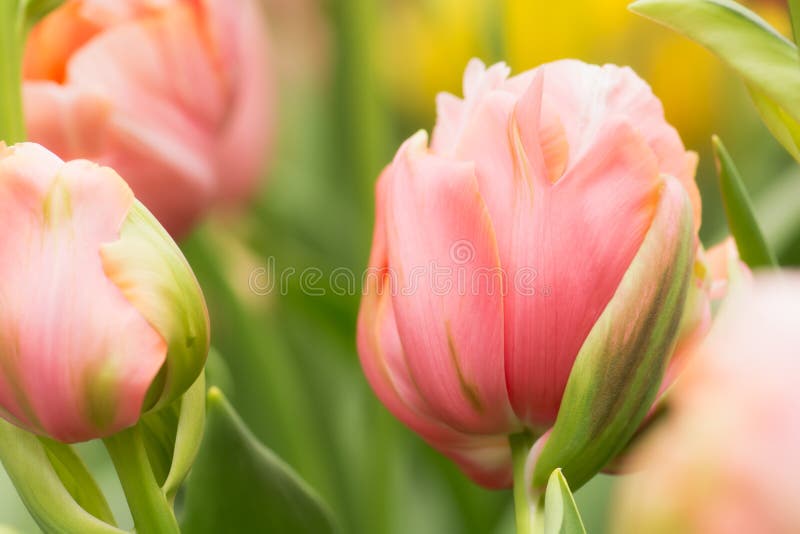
12,33
520,447
149,507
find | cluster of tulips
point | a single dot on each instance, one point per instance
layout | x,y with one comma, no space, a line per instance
575,323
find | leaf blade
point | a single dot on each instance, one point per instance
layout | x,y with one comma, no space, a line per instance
561,514
238,485
753,247
744,41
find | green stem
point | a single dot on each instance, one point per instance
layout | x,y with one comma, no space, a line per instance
12,30
152,513
520,447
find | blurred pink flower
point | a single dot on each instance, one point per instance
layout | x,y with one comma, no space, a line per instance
97,300
725,459
557,175
174,94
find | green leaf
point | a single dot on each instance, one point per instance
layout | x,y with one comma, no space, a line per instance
172,437
238,485
753,248
561,515
620,366
768,62
52,506
783,127
35,10
794,15
77,479
189,436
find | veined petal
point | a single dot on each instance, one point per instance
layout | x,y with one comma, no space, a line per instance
570,244
77,358
442,249
487,459
621,364
587,97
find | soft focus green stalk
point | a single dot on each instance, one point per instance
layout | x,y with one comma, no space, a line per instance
12,33
520,447
361,128
152,513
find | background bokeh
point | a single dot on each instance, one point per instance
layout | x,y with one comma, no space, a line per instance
356,78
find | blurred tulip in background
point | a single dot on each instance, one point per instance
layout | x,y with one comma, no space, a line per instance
102,318
175,95
724,460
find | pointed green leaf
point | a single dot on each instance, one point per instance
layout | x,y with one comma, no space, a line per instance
189,436
238,485
783,127
77,479
52,506
743,225
172,437
794,15
561,515
621,364
765,59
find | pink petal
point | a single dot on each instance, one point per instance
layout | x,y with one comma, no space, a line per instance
437,223
240,33
78,358
586,97
485,458
571,243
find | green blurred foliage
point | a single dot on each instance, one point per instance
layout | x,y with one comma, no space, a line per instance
287,359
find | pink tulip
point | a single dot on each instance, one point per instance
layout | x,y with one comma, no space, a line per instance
725,459
173,94
101,316
554,178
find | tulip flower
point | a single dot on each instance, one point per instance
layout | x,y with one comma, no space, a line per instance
542,251
174,95
101,317
724,461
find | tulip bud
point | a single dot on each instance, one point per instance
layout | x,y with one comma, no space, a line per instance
175,95
102,318
530,269
723,460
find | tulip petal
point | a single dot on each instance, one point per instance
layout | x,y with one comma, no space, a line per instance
587,97
485,458
153,275
70,121
442,248
167,95
621,365
79,357
571,243
240,34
